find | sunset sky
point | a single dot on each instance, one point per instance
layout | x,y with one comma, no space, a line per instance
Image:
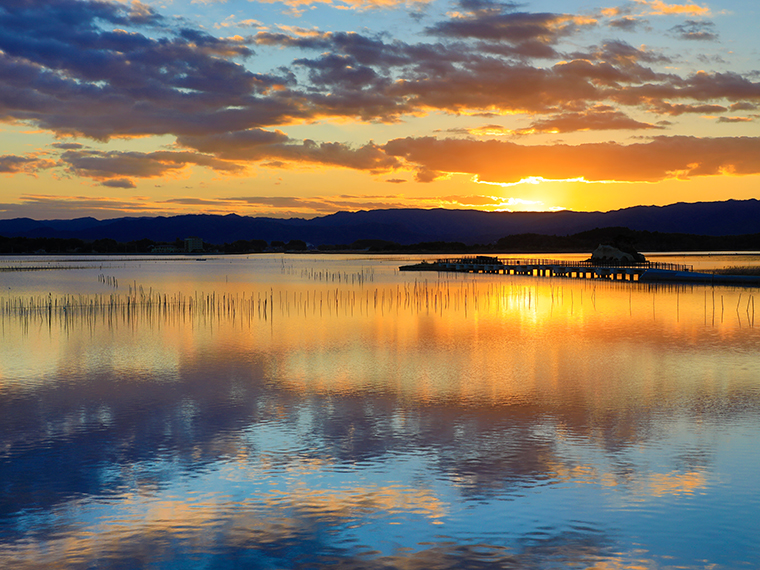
306,107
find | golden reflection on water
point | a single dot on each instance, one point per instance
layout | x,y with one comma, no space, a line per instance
648,486
495,340
598,354
486,385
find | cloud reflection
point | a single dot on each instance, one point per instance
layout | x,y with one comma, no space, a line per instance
299,437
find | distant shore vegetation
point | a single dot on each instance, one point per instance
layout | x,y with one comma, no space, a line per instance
583,242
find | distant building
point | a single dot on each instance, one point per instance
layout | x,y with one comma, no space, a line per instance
193,244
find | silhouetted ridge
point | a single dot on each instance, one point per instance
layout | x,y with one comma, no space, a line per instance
402,226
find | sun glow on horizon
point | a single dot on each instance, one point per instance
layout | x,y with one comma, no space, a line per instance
540,179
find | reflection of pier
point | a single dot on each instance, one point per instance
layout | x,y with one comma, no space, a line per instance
549,268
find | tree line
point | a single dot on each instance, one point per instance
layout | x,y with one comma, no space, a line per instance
622,238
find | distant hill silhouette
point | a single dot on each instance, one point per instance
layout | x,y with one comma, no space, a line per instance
402,226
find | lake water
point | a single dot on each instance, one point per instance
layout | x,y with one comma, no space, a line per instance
329,411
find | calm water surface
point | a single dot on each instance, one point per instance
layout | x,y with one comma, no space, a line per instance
329,411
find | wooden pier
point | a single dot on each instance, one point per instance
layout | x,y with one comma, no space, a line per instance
647,271
547,268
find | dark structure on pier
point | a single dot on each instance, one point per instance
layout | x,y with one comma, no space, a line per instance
548,268
647,271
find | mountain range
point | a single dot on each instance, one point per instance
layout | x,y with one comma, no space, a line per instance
403,226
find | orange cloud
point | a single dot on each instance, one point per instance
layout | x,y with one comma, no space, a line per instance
660,8
662,158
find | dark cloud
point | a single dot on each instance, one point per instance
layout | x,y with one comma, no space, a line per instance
103,69
613,72
626,23
732,86
735,119
67,146
341,71
364,49
12,164
699,30
119,165
713,59
302,41
599,73
599,118
667,108
530,34
275,149
627,59
432,78
624,54
426,175
369,157
58,69
455,130
702,87
497,85
9,163
476,6
119,183
743,106
235,145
